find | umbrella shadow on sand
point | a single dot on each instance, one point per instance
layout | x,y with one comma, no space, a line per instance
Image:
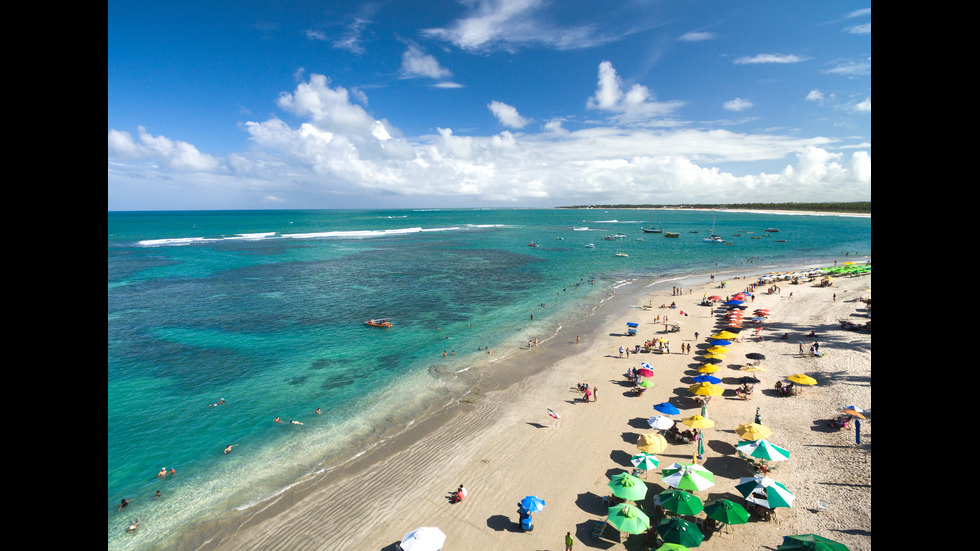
502,523
621,458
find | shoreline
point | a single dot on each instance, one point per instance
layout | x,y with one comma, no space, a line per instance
402,484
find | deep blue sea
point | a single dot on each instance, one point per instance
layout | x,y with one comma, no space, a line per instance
265,311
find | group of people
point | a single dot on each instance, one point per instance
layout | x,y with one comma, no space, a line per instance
590,392
458,495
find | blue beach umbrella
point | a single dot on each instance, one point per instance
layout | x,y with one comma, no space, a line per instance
707,379
733,303
719,342
666,408
532,504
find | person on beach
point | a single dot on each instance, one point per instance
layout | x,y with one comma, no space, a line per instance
595,394
568,541
758,417
620,351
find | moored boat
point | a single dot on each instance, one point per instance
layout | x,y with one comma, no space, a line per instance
671,234
382,322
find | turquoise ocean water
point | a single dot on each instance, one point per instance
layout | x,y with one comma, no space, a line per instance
266,310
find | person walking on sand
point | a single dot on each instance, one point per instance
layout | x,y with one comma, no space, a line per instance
568,541
595,393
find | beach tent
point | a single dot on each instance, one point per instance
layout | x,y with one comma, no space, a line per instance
426,538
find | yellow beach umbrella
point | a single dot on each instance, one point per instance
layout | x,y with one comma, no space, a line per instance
752,431
802,379
752,368
698,422
651,443
706,389
723,335
708,368
717,350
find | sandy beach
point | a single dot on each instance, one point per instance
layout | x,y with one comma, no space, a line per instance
502,445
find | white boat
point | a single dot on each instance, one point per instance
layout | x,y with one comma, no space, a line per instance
621,254
590,245
714,238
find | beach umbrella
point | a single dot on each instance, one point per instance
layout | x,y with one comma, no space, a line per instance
644,461
698,422
628,518
679,531
752,431
671,547
723,335
707,379
717,350
855,411
719,342
682,503
727,512
425,538
802,379
714,297
532,504
734,303
705,389
660,422
645,365
755,356
626,486
644,372
763,449
651,443
708,368
688,476
808,542
764,491
644,384
666,408
752,368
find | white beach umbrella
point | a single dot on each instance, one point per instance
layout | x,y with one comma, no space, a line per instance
661,422
426,538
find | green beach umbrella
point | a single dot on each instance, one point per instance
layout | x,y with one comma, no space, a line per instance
810,541
763,449
727,512
682,503
628,518
688,476
626,486
645,384
776,495
679,531
672,547
644,461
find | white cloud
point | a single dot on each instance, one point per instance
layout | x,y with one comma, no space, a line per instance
768,58
737,104
696,36
416,63
636,106
815,95
339,150
507,115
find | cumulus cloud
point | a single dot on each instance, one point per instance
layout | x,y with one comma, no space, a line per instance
337,149
416,63
737,104
507,114
636,105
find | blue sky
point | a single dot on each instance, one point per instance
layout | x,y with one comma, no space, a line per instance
486,103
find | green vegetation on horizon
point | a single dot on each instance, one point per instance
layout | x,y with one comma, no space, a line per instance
863,207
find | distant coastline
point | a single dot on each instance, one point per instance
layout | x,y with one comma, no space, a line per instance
860,208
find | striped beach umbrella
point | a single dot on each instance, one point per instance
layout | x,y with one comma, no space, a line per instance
763,449
645,461
765,491
688,476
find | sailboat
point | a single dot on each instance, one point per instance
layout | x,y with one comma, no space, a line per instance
714,238
651,229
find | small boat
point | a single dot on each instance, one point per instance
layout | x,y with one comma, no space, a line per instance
651,229
620,236
772,230
670,234
621,254
590,245
533,244
382,322
714,238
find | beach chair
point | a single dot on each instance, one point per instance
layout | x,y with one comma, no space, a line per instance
598,527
